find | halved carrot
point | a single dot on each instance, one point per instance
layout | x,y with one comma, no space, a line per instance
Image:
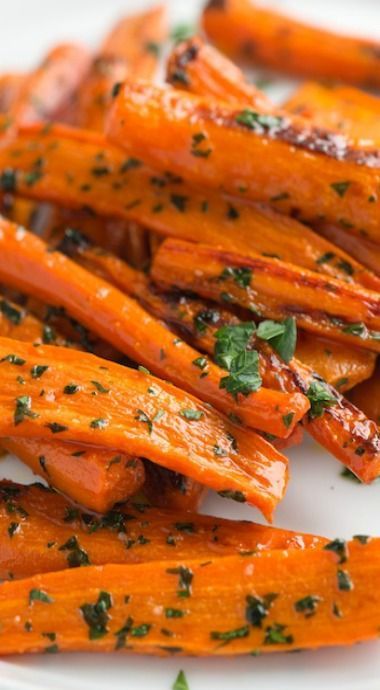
131,49
137,414
49,88
103,181
167,489
342,366
274,289
269,602
88,476
344,430
249,32
352,112
217,147
41,532
366,396
118,319
367,252
92,477
198,67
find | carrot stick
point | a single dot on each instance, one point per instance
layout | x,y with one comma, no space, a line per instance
167,426
366,396
273,289
103,181
367,252
131,533
88,476
131,49
342,366
349,111
248,32
221,606
51,86
198,67
344,430
217,146
119,320
166,489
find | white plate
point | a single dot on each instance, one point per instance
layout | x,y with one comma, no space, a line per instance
318,500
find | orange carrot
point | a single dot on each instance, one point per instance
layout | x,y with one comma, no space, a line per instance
349,111
366,396
10,87
217,146
198,67
136,414
131,49
119,320
367,252
51,86
269,602
116,186
42,532
249,32
166,489
273,289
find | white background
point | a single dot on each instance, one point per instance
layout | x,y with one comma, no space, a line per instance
318,500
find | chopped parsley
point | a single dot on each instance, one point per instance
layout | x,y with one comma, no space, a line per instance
39,595
192,415
281,335
260,123
76,556
344,581
275,634
233,495
99,423
23,409
228,635
338,546
340,188
10,312
71,389
38,370
96,616
240,275
307,605
257,608
14,359
320,397
180,682
241,363
185,580
56,428
99,387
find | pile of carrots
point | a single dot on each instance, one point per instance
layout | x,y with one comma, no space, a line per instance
190,280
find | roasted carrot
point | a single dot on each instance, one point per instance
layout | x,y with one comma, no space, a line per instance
198,67
217,146
344,431
367,252
93,477
42,532
118,319
366,396
352,112
273,289
88,476
342,366
137,414
10,86
49,88
125,188
131,49
269,602
249,32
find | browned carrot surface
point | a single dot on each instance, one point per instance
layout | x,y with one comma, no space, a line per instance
42,532
352,112
217,146
342,366
269,602
367,396
138,415
118,319
167,489
49,88
104,181
198,67
274,289
249,32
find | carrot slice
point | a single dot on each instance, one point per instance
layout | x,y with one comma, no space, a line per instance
131,49
198,67
34,535
119,320
349,111
217,146
125,188
274,289
221,606
51,86
249,32
138,415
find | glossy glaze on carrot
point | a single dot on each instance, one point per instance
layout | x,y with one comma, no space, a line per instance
270,602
